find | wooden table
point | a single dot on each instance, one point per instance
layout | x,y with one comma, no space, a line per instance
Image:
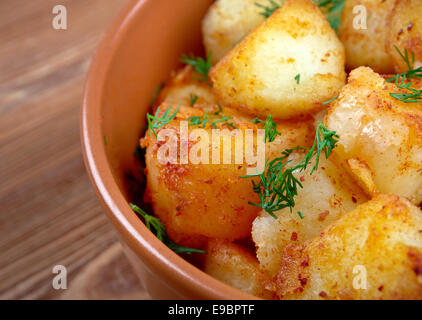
49,214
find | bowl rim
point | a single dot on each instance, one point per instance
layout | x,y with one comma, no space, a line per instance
170,267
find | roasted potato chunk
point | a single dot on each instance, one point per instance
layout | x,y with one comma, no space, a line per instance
183,87
234,265
226,23
372,252
406,33
200,201
327,194
286,67
366,47
380,137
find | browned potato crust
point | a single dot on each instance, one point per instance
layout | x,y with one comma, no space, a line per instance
260,75
380,136
382,238
327,195
366,47
234,265
406,32
199,201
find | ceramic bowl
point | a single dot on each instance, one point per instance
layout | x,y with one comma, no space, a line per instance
137,53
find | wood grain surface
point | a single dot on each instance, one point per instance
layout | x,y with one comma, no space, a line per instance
49,214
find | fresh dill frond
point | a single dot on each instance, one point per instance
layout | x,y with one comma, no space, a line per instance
156,122
268,10
203,121
270,129
333,11
157,227
278,186
329,101
297,78
199,64
257,120
193,99
415,95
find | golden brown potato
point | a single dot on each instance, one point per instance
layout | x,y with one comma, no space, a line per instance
406,32
380,136
260,75
227,22
366,47
183,86
373,252
327,194
232,264
197,201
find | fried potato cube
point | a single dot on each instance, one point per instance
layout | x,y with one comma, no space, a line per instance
327,194
372,252
380,137
287,67
226,23
406,33
366,47
237,267
183,87
200,201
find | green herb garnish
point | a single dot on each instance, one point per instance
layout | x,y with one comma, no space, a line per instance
278,186
202,121
270,129
268,10
156,122
400,79
297,78
193,99
334,10
329,101
200,65
157,227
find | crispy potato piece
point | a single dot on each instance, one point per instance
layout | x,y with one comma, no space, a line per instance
406,32
373,252
227,22
259,75
327,194
183,86
366,47
234,265
199,201
380,136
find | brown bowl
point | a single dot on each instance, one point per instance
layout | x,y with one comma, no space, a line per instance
137,53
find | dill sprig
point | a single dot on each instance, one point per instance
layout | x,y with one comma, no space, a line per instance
415,95
278,186
199,64
156,122
203,121
268,10
270,128
157,227
193,99
334,9
329,101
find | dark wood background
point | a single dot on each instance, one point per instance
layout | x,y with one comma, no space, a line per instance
49,214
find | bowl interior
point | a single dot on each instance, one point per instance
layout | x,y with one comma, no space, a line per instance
137,54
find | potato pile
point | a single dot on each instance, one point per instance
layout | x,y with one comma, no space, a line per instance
354,228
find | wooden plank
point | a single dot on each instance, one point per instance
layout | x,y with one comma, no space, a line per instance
49,213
